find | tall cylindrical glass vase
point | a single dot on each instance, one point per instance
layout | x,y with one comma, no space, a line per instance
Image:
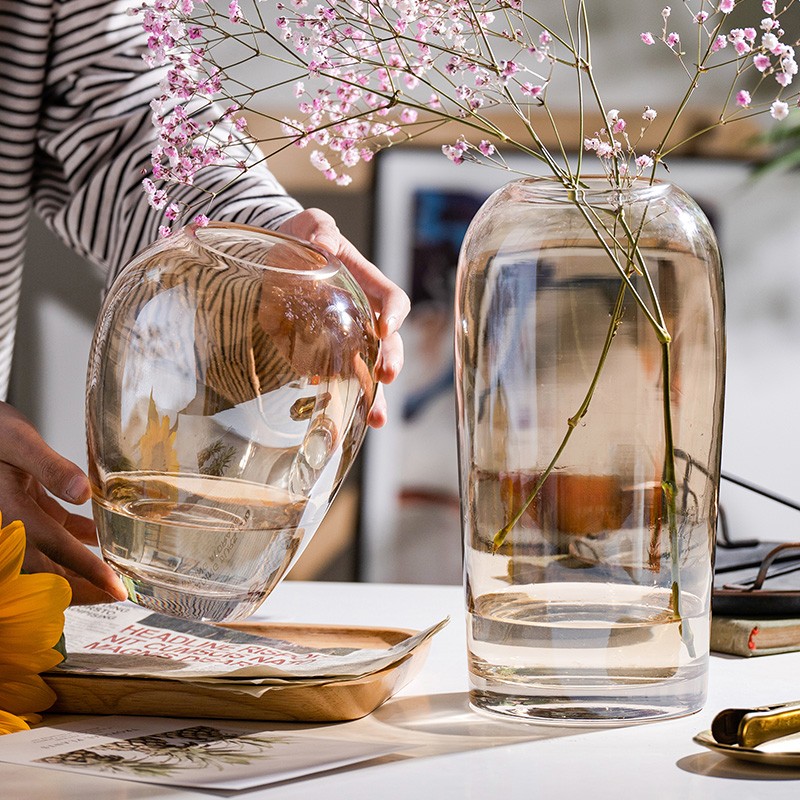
590,358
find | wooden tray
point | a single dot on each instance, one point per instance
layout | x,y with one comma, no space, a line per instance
331,702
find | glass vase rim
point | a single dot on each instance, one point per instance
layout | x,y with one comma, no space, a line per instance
597,190
322,263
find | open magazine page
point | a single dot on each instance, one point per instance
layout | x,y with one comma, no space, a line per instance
124,639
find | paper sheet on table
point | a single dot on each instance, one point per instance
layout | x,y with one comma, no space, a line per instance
180,752
134,642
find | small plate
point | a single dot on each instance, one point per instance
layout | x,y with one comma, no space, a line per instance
753,754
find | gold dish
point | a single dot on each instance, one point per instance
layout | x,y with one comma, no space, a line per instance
752,754
337,701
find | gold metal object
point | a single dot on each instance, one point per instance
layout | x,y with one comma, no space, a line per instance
749,727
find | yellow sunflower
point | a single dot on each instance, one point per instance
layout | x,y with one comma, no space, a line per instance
31,624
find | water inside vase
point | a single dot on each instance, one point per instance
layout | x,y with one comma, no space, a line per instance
193,545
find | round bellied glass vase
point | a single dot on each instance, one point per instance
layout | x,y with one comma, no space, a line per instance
590,357
229,382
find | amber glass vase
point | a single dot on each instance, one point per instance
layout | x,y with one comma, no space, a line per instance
229,382
590,361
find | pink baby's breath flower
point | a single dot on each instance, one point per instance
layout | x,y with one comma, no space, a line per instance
779,110
743,99
768,6
508,68
201,220
720,43
649,114
531,89
644,162
726,6
761,62
172,211
701,17
604,150
350,157
486,147
769,41
673,39
157,198
318,161
619,126
455,152
647,38
164,231
234,12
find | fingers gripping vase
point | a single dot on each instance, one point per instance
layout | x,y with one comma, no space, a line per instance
230,378
590,363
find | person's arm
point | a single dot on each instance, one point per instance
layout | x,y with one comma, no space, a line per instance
94,149
97,134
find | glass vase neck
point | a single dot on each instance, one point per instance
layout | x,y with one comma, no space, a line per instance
594,190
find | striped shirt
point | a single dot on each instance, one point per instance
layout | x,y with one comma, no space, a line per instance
75,141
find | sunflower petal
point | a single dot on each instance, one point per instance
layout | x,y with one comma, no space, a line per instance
12,551
11,723
32,612
37,661
22,692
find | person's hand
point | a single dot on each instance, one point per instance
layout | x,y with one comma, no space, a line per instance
390,302
29,469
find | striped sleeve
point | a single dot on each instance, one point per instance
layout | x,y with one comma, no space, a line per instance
24,36
95,138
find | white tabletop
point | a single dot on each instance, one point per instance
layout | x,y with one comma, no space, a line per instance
444,750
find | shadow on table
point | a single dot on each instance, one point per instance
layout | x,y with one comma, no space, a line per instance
421,727
445,723
712,765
